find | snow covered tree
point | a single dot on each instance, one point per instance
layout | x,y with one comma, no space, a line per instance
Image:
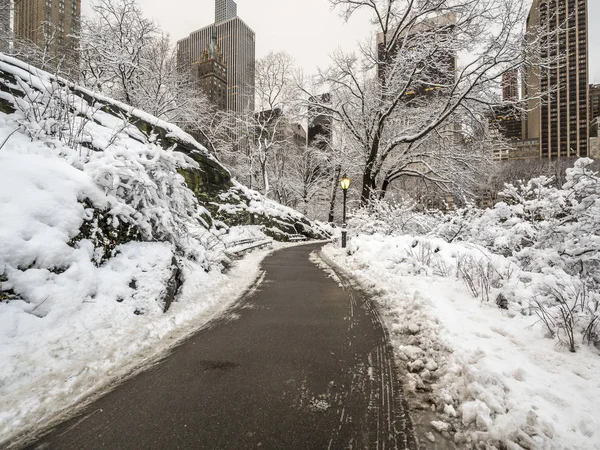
436,62
128,57
300,176
116,48
52,52
269,127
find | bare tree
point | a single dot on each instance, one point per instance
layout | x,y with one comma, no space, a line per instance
435,62
52,52
116,49
128,57
268,128
300,175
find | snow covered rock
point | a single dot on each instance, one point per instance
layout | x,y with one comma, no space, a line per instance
53,109
110,245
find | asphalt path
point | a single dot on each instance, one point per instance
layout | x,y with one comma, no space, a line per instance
301,362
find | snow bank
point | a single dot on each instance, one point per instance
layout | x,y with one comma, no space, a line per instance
69,325
99,233
494,375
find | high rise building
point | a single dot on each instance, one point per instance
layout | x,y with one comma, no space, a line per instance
506,117
236,41
507,120
52,22
5,31
594,110
211,74
510,86
225,10
558,92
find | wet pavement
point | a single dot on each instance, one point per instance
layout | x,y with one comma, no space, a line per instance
301,362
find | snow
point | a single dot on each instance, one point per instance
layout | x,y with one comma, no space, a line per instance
261,205
94,326
42,80
101,342
90,243
494,373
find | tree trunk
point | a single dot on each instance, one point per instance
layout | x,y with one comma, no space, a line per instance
370,175
336,177
384,187
369,187
265,177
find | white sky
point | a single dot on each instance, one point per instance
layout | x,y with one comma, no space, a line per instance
306,29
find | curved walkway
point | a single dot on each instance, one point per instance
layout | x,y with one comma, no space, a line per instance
299,363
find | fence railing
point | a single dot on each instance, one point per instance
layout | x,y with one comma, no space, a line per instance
243,245
297,238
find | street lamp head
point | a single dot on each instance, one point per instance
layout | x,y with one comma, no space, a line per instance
345,182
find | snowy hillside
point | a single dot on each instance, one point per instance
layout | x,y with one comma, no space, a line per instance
115,237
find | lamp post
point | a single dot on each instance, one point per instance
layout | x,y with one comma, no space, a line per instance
345,184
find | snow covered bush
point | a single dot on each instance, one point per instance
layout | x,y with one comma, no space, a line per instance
553,231
49,108
401,217
544,226
495,313
540,227
109,241
568,310
467,332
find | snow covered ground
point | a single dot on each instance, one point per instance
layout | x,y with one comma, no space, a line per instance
495,379
74,326
48,367
98,230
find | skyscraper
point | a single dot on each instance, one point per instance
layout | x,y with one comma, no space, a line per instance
225,10
594,109
237,43
506,117
43,22
4,24
559,91
211,74
510,86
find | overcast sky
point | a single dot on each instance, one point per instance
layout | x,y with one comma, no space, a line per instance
307,29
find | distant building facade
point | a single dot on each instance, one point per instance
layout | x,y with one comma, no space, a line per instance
211,74
594,110
507,118
508,121
510,86
5,28
236,41
319,122
53,22
558,106
594,147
